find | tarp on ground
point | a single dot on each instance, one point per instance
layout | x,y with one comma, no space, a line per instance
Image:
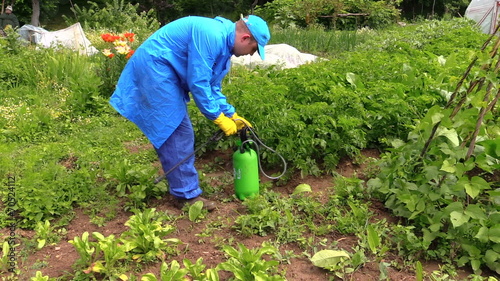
71,37
280,55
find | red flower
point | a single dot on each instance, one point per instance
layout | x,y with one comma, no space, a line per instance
129,36
107,37
130,53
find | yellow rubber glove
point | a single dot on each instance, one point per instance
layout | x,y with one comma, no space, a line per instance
240,121
226,124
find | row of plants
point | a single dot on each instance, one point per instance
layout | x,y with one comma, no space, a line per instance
330,109
444,178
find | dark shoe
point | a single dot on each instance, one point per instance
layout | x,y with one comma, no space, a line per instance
207,204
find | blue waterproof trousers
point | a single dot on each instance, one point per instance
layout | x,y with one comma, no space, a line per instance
182,181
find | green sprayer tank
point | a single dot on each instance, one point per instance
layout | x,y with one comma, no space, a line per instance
246,171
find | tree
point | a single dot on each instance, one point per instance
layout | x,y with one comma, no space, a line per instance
31,11
35,16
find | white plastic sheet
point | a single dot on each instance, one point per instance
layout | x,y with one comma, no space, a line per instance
280,55
484,13
71,37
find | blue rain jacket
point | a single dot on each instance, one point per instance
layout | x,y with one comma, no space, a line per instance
191,54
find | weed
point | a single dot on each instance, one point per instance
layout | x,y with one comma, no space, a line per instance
45,234
333,260
4,259
39,264
197,270
248,264
40,277
195,212
174,273
145,239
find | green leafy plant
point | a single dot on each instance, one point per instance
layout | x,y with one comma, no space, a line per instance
248,264
333,260
195,211
350,216
40,277
109,252
145,238
4,259
85,249
174,273
374,239
437,179
47,234
116,15
197,270
12,40
419,271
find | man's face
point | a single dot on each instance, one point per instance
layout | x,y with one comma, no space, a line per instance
245,45
8,11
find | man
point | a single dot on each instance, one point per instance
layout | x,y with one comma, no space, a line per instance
188,55
8,18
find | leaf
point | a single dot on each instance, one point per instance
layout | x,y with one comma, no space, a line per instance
448,167
475,186
419,271
384,273
354,81
491,256
476,212
195,210
480,182
494,233
212,274
304,187
492,147
483,234
41,243
149,277
458,218
450,134
328,258
455,206
396,143
436,117
373,238
476,264
97,267
374,184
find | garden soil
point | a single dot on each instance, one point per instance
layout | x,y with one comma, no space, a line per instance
57,260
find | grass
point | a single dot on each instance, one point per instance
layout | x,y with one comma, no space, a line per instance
318,41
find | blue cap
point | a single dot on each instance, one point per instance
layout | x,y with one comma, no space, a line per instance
260,31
